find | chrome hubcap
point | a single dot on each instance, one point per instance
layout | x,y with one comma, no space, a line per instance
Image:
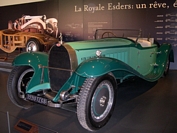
32,46
103,101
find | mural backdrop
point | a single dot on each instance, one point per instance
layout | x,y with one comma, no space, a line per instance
78,19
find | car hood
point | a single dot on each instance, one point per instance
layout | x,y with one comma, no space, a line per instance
102,43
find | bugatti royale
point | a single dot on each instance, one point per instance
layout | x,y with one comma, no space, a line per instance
86,73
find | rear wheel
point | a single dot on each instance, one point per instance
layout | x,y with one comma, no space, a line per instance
33,45
16,86
167,68
96,102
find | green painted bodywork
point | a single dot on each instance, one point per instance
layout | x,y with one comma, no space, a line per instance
33,60
121,57
146,64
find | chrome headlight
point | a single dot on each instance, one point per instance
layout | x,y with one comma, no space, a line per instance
98,53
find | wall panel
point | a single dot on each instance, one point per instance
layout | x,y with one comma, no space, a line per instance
78,19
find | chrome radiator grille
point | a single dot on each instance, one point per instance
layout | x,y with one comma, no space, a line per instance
58,58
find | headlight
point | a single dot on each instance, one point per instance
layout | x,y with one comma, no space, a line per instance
98,53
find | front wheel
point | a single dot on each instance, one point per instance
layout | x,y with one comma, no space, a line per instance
16,85
96,102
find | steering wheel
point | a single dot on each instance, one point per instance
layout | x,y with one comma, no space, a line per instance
108,34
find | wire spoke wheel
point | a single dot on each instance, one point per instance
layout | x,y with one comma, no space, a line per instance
33,45
17,83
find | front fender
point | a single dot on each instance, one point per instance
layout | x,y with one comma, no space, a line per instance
99,66
34,59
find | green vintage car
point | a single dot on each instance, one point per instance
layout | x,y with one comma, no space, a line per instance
86,73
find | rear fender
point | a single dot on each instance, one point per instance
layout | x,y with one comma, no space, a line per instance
34,60
167,48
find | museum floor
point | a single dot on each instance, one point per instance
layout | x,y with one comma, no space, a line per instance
142,107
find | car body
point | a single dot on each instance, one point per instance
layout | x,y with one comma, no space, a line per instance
36,24
11,39
85,73
35,33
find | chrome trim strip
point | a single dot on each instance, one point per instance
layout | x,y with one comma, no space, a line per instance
72,56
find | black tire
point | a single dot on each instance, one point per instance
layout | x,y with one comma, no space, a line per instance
93,110
16,85
33,45
167,68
